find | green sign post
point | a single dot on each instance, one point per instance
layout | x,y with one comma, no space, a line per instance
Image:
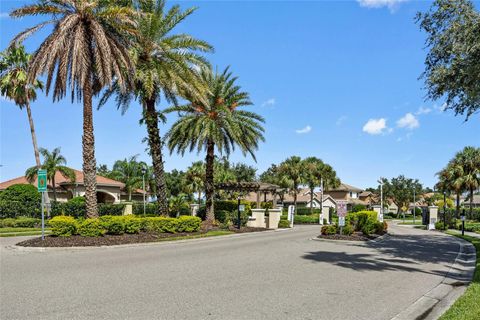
42,187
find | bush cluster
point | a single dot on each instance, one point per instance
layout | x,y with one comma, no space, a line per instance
329,230
306,211
20,200
65,226
284,224
230,206
20,222
76,208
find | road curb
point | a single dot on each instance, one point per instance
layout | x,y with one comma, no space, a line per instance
436,301
144,244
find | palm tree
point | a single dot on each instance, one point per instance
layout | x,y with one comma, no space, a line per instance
165,65
129,171
451,179
293,169
53,162
217,123
86,50
195,177
317,173
14,86
469,159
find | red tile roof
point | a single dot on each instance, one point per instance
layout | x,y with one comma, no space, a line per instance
59,180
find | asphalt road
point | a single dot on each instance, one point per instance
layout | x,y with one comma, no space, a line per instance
274,275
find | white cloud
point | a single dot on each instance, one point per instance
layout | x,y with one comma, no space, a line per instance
408,121
423,110
4,15
307,129
269,103
392,5
376,126
341,120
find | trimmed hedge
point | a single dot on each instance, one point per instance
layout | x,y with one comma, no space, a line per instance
66,226
63,226
20,222
303,211
20,200
76,208
284,224
226,210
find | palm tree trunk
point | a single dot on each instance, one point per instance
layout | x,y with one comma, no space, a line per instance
209,183
35,148
457,213
155,144
199,197
54,189
471,203
88,143
311,200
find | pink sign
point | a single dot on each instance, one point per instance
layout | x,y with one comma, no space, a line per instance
342,208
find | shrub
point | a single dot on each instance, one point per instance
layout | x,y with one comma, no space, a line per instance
161,224
188,224
379,227
222,215
150,209
329,230
439,225
113,224
24,222
233,218
226,205
306,211
358,207
132,224
91,228
312,219
110,209
7,223
347,230
284,224
63,226
20,200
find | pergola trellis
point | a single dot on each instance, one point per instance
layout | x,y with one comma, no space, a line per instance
257,187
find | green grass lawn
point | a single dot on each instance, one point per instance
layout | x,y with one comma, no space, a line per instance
15,232
467,307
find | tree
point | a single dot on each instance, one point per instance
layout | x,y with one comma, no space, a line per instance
292,168
219,124
14,86
165,65
274,175
400,190
53,162
452,66
175,182
469,160
315,173
86,50
244,172
195,177
451,180
129,171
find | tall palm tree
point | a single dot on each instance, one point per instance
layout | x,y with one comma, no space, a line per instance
216,123
469,159
195,177
293,169
86,50
315,173
53,162
129,171
451,179
165,65
14,86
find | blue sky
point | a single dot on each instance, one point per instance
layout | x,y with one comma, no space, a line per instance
334,79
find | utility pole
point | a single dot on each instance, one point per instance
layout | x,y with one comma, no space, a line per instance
414,206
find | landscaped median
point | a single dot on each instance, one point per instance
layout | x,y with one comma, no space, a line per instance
359,226
66,231
467,307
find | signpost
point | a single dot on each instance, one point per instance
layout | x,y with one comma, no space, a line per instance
42,187
291,213
341,213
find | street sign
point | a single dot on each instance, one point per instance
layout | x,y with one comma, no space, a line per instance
462,218
341,208
241,207
42,180
341,221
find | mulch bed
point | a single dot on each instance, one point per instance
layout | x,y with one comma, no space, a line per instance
356,236
110,240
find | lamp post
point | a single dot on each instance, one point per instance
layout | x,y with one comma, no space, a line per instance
381,197
144,171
